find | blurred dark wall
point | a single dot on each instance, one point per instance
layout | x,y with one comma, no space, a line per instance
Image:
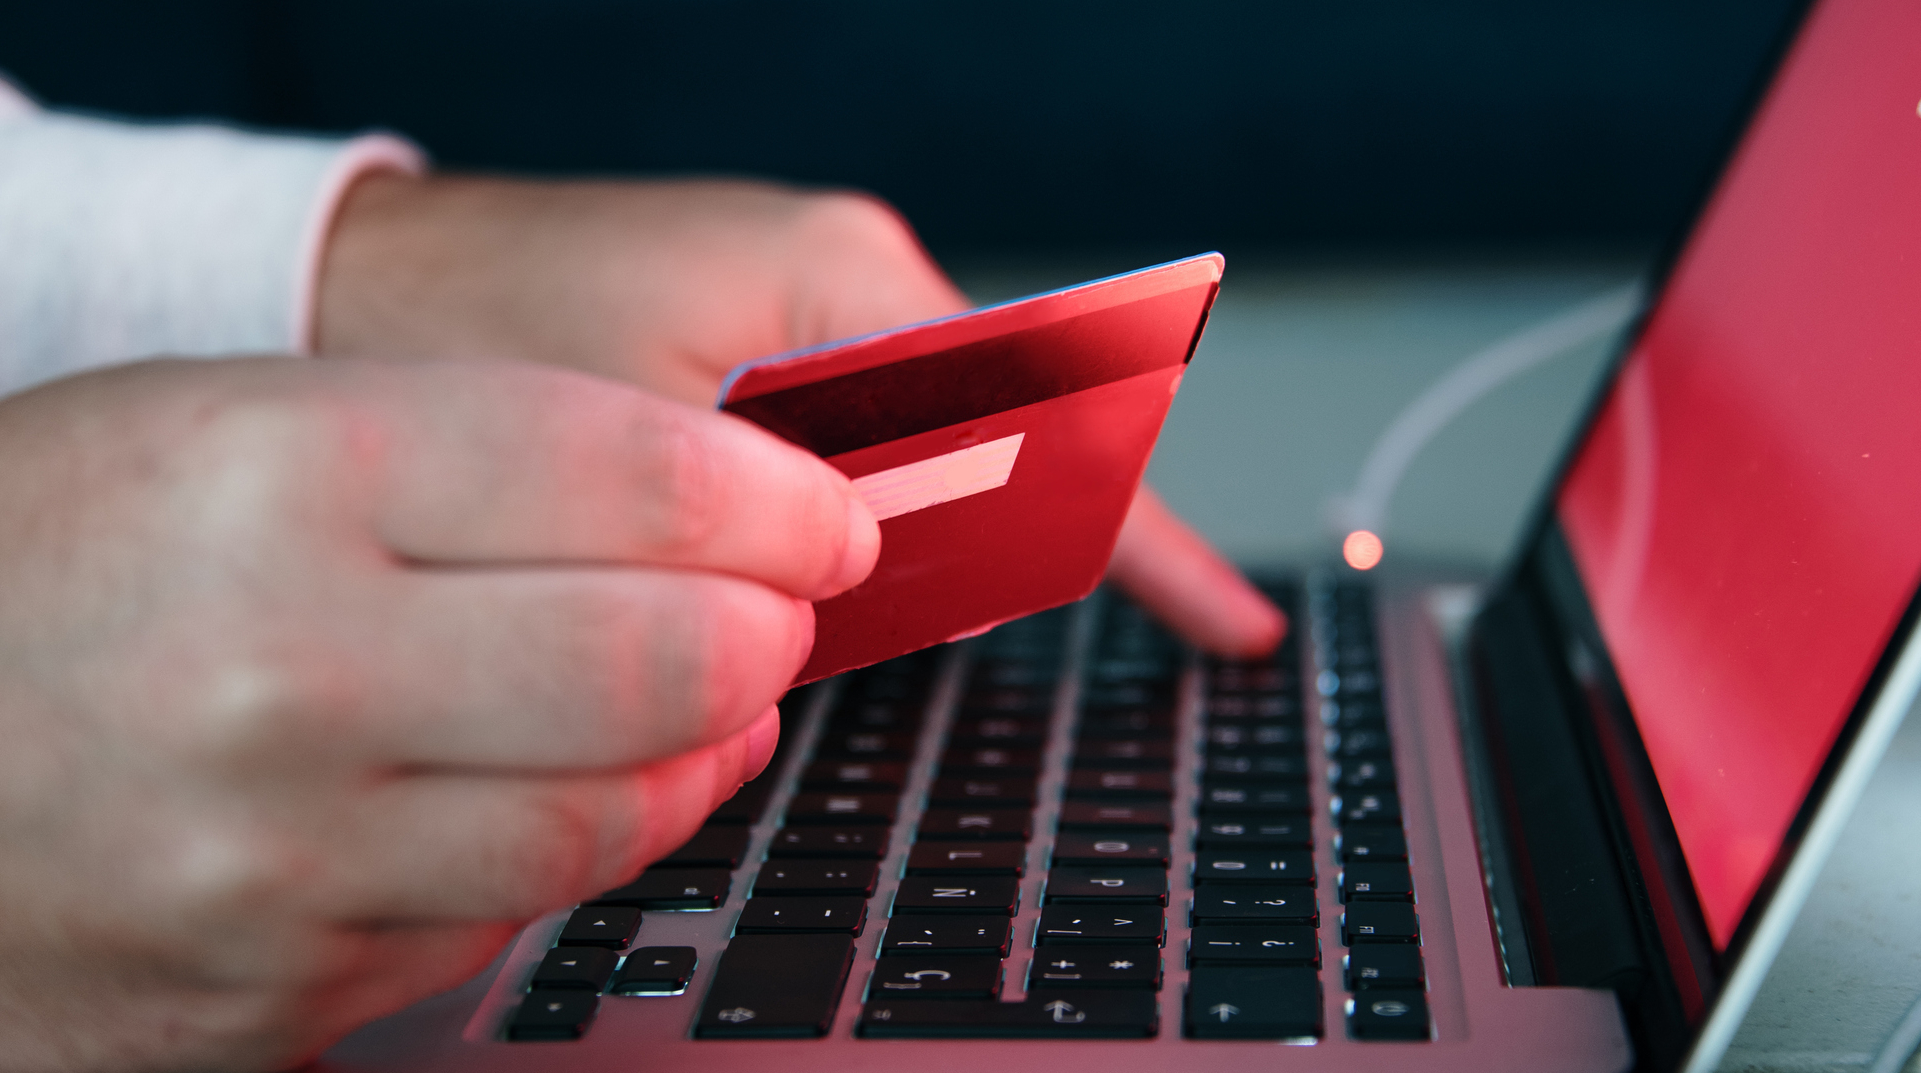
996,124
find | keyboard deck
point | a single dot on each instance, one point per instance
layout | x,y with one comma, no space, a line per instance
994,840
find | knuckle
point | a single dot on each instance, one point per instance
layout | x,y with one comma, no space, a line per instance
858,219
263,696
687,506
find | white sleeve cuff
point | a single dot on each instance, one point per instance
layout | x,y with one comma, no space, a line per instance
124,240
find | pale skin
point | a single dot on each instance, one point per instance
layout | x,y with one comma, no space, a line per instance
320,678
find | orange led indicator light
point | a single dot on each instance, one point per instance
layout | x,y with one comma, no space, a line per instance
1362,550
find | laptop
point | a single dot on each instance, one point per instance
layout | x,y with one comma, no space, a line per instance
1560,818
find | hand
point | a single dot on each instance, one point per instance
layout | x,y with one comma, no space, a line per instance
321,679
671,284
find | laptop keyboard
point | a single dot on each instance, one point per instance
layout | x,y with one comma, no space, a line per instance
954,815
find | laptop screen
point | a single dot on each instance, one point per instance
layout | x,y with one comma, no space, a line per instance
1746,511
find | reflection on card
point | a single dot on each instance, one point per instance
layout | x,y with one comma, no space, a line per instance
941,479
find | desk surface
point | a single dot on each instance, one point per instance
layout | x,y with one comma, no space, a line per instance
1302,367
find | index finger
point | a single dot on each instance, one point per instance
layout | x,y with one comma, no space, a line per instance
488,463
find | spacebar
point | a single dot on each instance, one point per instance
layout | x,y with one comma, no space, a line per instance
776,987
1057,1015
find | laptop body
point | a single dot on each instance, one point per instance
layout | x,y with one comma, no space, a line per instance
1614,781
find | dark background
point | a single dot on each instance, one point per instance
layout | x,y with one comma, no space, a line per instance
996,125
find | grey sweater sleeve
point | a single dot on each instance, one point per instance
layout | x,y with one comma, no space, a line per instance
120,241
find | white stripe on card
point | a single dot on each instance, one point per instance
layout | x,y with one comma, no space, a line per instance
954,475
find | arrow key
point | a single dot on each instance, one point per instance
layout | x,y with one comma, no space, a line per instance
1253,1003
574,968
655,970
611,926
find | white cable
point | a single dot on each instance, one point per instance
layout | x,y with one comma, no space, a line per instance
1901,1043
1365,506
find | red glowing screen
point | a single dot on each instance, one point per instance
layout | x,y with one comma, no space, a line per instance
1746,512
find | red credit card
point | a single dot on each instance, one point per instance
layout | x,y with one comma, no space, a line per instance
998,447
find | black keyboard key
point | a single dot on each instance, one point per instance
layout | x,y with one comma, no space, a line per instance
991,824
932,976
609,926
1230,799
1001,701
1114,1014
655,970
771,915
1379,922
1247,676
1253,706
546,1015
715,846
947,935
1245,903
1376,881
1388,1015
1095,966
1368,806
1232,866
1354,715
1384,965
1359,745
1127,724
1363,843
999,730
990,792
1253,1002
672,888
858,776
1086,925
1247,832
989,760
1133,847
865,745
965,894
1281,736
1104,785
1146,816
965,859
1144,694
1139,754
574,968
1253,944
776,987
877,716
746,806
807,810
789,877
1106,885
1362,775
1287,768
851,843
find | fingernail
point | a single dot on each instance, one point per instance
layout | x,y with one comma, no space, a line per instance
762,737
862,548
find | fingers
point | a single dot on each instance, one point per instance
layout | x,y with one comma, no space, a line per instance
503,462
441,847
1177,575
567,669
864,271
